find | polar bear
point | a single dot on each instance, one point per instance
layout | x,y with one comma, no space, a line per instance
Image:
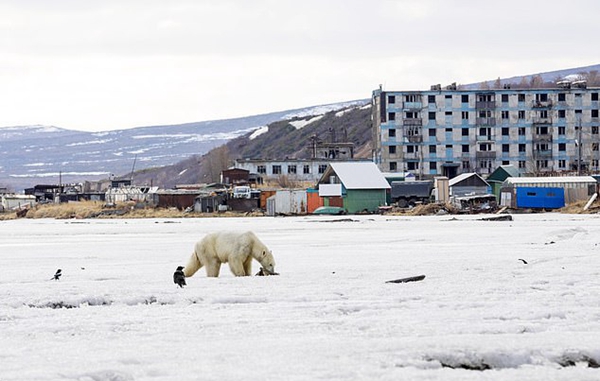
237,249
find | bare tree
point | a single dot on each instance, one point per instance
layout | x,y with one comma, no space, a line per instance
217,160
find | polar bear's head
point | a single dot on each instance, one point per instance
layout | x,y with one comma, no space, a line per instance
267,261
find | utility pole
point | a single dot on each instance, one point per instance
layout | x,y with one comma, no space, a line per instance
579,143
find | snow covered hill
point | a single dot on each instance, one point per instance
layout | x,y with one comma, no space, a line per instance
32,155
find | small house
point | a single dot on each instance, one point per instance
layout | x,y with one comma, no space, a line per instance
354,186
468,184
496,178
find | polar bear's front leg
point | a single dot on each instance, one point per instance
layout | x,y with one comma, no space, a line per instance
237,267
248,266
213,268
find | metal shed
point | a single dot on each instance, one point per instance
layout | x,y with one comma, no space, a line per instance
359,185
545,192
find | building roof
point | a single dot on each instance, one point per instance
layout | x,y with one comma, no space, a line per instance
357,175
503,172
546,180
464,176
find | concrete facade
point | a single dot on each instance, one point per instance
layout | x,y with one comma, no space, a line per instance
448,131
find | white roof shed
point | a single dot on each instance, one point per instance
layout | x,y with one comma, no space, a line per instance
355,175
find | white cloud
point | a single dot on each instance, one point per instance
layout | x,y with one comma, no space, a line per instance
113,64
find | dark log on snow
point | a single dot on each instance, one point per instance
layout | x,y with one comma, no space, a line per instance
406,280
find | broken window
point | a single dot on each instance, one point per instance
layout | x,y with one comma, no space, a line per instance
562,147
393,166
322,168
464,132
561,113
505,147
392,150
505,131
391,99
464,115
276,169
521,98
431,115
522,148
261,169
292,169
521,114
465,148
562,97
521,131
504,114
306,170
561,130
391,116
504,98
432,149
392,132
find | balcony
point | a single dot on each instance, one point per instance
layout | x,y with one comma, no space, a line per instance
542,154
414,138
481,105
485,154
413,105
486,121
541,104
542,138
486,138
412,122
539,120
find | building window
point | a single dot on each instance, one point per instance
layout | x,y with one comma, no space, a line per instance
594,96
466,164
562,97
448,146
306,170
522,164
504,114
431,99
562,147
412,165
448,129
594,130
277,169
391,99
504,98
561,113
392,133
393,166
412,149
521,114
543,114
464,98
521,97
411,115
562,163
392,150
464,115
504,131
431,115
505,162
448,96
432,149
448,113
521,131
505,148
322,168
561,130
391,116
432,132
522,148
432,165
541,163
261,169
292,169
595,147
464,131
465,148
594,113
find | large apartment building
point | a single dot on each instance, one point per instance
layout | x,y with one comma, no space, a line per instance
445,131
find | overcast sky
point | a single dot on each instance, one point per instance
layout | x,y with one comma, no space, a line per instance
111,64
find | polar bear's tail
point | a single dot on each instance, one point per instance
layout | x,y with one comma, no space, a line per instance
192,266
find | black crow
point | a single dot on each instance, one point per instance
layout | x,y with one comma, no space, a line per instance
178,277
57,275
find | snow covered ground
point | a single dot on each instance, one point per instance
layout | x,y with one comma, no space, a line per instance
480,313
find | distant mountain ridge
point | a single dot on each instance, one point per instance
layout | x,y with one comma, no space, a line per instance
31,155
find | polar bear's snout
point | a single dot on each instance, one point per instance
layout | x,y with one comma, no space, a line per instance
267,261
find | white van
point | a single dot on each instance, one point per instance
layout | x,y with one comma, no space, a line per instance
242,191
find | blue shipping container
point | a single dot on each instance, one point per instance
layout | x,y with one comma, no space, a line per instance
539,197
